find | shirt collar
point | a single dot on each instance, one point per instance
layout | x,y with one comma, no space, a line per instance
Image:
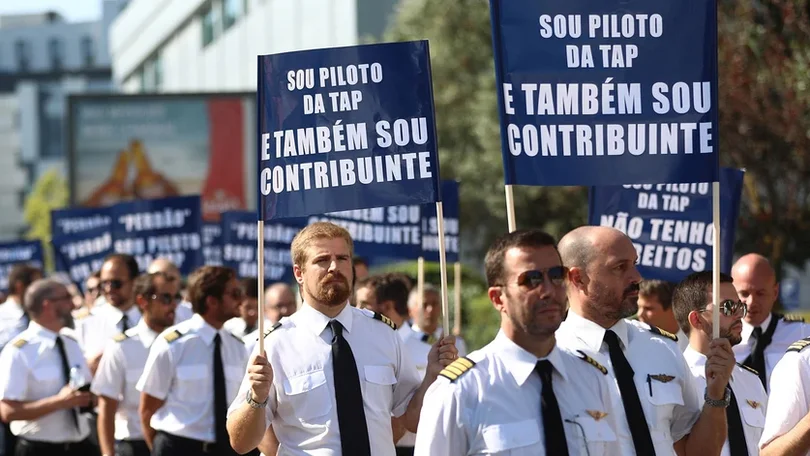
520,363
315,322
42,332
203,330
592,334
145,332
694,357
748,329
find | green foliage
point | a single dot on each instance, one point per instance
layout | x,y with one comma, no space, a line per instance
49,192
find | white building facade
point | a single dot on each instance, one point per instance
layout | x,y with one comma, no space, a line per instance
172,46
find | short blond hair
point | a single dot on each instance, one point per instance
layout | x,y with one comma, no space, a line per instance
317,230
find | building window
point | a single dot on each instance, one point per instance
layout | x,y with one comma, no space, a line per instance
231,11
210,24
22,54
52,108
152,74
88,56
55,52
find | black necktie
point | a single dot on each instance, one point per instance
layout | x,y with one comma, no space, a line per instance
632,404
220,403
124,323
60,346
756,360
736,436
552,420
354,439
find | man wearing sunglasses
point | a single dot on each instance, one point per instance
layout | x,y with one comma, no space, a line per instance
766,334
119,424
660,411
521,394
693,306
193,372
165,266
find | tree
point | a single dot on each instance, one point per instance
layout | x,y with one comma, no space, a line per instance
50,192
466,101
764,61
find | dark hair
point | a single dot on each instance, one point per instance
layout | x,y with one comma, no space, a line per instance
358,260
23,273
144,284
129,261
251,287
207,281
392,287
493,262
407,279
658,289
693,294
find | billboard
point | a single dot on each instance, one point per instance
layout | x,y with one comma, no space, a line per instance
125,147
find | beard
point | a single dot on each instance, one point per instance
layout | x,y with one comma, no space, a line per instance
67,319
725,333
605,301
333,290
527,317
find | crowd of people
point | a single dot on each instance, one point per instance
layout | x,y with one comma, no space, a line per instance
590,359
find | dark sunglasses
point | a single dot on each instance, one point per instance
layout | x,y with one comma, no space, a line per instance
93,290
165,298
730,307
113,284
237,294
534,278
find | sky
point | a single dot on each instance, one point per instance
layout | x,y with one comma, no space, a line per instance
71,10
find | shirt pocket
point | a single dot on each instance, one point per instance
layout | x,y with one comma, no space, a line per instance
589,434
49,377
379,391
190,380
309,398
660,407
521,438
752,417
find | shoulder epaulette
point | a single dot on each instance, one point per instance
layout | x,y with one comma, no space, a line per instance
753,371
19,343
272,328
384,319
457,368
793,319
661,332
81,313
236,337
173,336
592,362
120,337
799,345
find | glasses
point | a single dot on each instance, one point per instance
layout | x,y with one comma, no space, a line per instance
93,290
165,298
236,294
113,284
534,278
730,307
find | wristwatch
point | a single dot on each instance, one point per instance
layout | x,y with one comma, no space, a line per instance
254,404
715,403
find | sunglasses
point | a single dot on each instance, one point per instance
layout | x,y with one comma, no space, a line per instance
236,294
93,290
166,298
113,284
730,307
534,278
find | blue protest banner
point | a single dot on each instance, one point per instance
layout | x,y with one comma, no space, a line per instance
671,224
151,229
239,243
78,219
212,244
81,253
430,225
346,128
11,253
790,293
606,93
381,234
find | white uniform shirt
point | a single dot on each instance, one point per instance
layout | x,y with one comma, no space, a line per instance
670,408
238,327
180,370
95,330
10,312
118,372
683,343
494,408
301,405
786,333
461,346
418,351
182,313
789,399
750,395
32,370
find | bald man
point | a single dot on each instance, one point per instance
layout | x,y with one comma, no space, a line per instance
766,334
279,302
657,408
183,311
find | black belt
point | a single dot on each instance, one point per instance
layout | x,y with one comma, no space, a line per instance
54,446
205,447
